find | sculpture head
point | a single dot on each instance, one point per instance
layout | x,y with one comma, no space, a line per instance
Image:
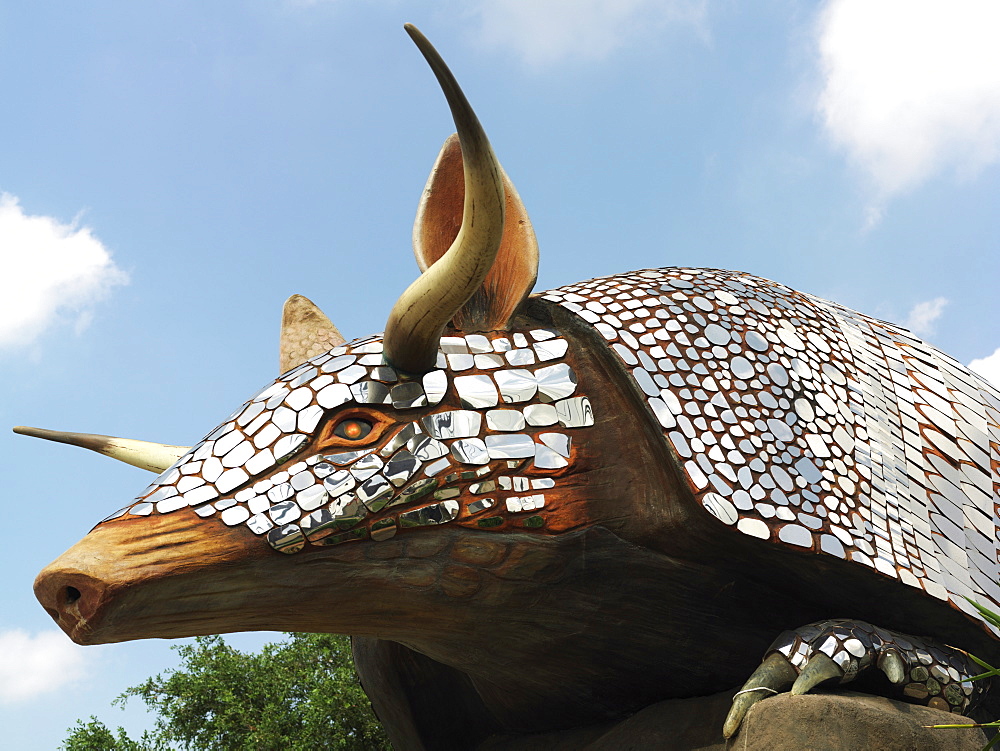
463,413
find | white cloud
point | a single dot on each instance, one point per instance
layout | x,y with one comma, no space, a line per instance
922,316
49,268
911,87
545,32
34,665
988,367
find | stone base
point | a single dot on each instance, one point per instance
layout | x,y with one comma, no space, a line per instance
818,722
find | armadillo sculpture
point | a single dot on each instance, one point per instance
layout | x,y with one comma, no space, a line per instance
540,512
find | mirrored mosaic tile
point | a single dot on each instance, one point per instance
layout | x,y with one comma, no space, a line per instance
375,492
426,448
540,415
436,467
520,357
188,483
460,362
285,512
285,448
470,451
347,509
480,504
555,382
346,457
415,491
541,335
231,479
489,362
514,446
260,462
476,391
227,442
337,363
505,420
558,442
318,524
383,373
235,515
370,392
259,524
407,395
366,466
258,503
383,529
515,385
287,539
438,513
454,345
478,344
352,373
435,385
311,498
575,412
552,349
519,504
400,439
334,395
302,480
546,458
338,483
453,424
401,467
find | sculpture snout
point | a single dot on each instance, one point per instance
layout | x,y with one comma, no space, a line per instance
163,576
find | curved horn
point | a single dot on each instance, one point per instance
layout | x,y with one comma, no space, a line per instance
414,328
155,457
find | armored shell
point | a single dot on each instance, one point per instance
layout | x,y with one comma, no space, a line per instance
810,425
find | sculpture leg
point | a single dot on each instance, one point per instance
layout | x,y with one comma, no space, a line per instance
422,704
919,670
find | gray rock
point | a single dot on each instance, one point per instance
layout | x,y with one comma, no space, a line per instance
817,722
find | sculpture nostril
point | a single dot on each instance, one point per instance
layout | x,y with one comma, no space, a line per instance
72,595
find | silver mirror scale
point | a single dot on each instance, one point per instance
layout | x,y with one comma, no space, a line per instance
937,677
511,418
806,424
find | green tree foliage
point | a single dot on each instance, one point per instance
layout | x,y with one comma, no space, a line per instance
294,695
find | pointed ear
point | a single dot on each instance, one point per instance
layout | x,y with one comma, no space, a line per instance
439,217
305,333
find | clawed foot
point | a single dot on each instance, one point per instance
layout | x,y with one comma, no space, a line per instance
921,671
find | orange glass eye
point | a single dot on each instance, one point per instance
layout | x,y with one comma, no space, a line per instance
353,430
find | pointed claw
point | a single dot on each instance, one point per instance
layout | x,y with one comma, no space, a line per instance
819,669
773,676
893,666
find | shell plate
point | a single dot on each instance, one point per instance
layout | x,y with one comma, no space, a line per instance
815,427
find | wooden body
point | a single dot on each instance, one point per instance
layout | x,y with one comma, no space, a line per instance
630,594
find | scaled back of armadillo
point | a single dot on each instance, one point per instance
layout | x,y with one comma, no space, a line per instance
812,426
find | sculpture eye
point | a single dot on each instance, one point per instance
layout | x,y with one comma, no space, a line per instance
352,429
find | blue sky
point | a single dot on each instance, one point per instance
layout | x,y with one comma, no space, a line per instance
172,171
